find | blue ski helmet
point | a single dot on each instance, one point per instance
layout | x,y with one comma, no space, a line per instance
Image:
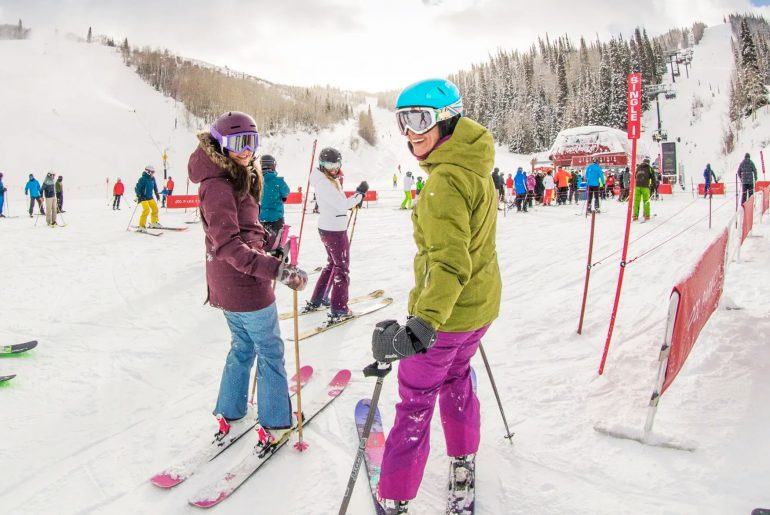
436,93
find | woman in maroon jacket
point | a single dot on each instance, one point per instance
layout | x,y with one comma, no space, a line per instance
239,271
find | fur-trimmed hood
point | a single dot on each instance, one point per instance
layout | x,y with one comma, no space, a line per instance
219,165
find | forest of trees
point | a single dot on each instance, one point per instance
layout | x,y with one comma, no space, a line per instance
207,92
526,98
366,127
751,51
14,31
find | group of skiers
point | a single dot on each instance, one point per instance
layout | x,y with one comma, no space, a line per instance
455,298
49,196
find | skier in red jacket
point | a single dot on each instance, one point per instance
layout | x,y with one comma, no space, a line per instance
117,192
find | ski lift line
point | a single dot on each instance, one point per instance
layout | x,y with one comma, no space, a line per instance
648,232
672,237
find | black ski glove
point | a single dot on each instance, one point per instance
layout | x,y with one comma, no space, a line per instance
391,341
363,187
293,277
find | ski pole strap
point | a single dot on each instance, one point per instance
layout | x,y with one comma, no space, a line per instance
377,369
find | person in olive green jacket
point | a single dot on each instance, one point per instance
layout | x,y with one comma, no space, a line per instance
457,287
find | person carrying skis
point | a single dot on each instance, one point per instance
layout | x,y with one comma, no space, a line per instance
708,175
60,194
645,178
145,187
239,272
408,183
275,193
522,193
747,173
3,189
117,193
334,280
594,180
456,294
49,192
33,189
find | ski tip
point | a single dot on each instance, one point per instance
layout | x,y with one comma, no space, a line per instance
165,480
208,503
7,378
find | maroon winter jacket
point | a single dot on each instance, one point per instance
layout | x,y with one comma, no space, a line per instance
238,271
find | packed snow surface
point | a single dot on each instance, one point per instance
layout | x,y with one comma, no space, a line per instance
129,361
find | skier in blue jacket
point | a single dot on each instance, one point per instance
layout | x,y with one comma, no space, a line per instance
275,193
520,185
594,179
33,190
3,189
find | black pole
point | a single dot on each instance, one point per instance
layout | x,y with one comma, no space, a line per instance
508,433
380,370
657,103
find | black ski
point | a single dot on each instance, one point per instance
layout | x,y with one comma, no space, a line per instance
18,348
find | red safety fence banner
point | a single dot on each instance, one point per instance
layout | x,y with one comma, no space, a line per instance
295,197
181,201
760,185
766,200
698,298
370,196
748,218
665,189
716,188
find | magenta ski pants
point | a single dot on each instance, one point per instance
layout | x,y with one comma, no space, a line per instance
443,371
334,279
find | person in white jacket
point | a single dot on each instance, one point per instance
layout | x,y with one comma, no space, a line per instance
408,184
549,185
333,283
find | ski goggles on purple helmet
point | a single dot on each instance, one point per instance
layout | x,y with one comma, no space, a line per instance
237,142
422,119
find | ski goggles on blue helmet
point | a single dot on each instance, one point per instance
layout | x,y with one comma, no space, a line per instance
422,119
237,142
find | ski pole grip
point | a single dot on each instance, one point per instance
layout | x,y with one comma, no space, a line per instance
377,369
293,250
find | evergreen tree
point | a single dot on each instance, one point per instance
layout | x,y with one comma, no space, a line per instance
754,93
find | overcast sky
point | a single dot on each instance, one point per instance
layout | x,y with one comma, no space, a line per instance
358,44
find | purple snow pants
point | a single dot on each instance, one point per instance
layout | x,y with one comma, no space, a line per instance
444,371
334,277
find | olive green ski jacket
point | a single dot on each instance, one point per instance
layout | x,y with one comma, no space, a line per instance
457,279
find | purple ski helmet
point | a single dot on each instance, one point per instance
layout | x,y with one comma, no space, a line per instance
236,131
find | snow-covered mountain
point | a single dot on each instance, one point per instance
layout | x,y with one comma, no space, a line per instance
129,361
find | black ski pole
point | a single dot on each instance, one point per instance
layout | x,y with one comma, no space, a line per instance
508,433
380,370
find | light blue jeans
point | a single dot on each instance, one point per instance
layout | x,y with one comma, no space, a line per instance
255,334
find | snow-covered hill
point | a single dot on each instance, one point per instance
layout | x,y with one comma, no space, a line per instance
129,360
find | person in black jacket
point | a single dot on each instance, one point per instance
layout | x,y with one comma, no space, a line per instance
499,184
747,173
